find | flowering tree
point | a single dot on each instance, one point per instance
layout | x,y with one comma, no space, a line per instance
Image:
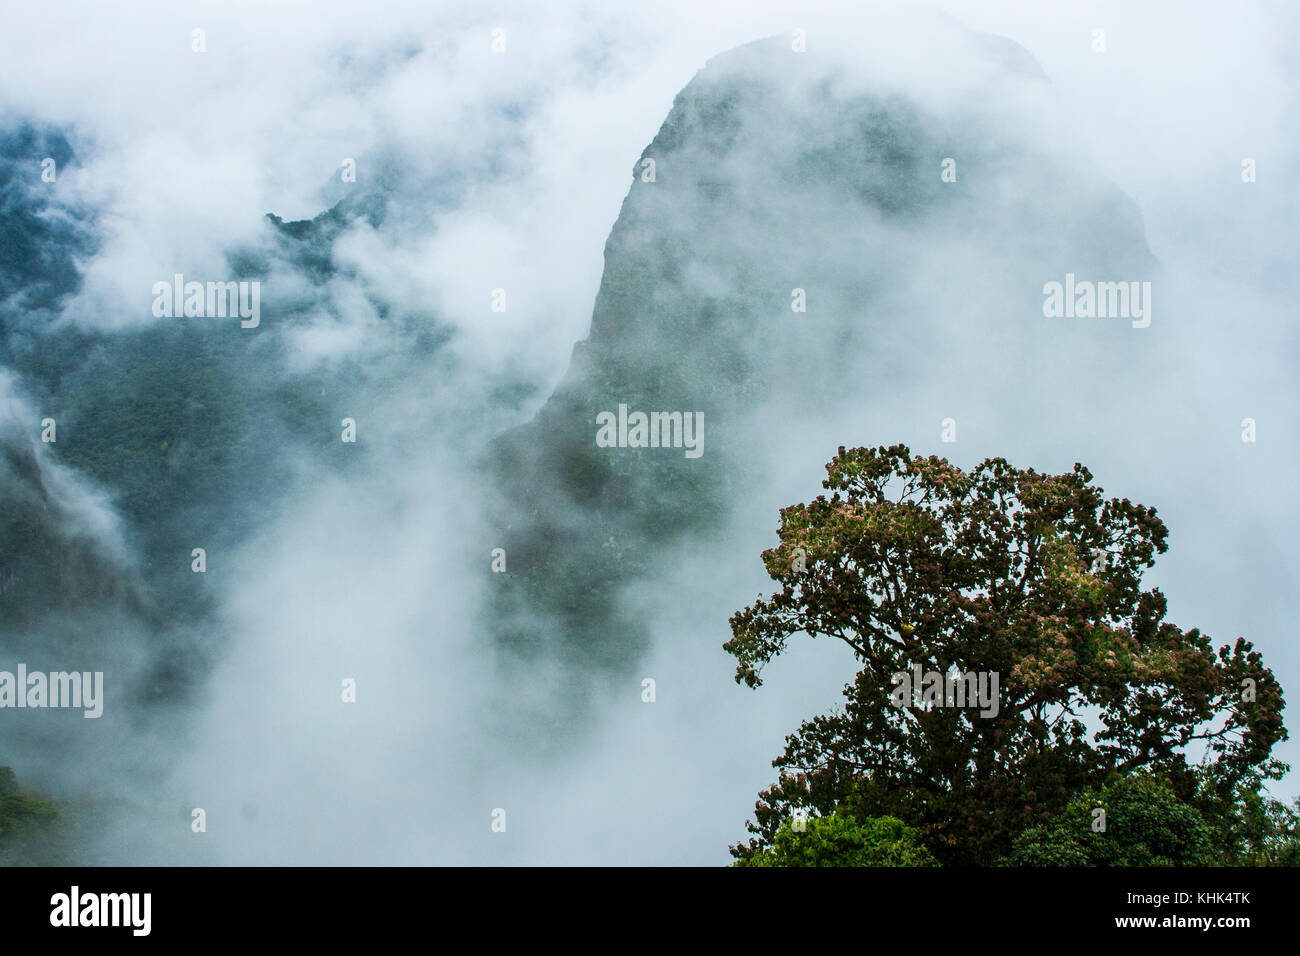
1033,579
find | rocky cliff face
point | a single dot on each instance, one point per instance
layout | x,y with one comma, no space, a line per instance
778,181
56,543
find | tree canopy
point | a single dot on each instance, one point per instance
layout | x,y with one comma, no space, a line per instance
1035,578
841,840
1135,821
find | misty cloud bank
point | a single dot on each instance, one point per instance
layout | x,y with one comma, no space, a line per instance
774,173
